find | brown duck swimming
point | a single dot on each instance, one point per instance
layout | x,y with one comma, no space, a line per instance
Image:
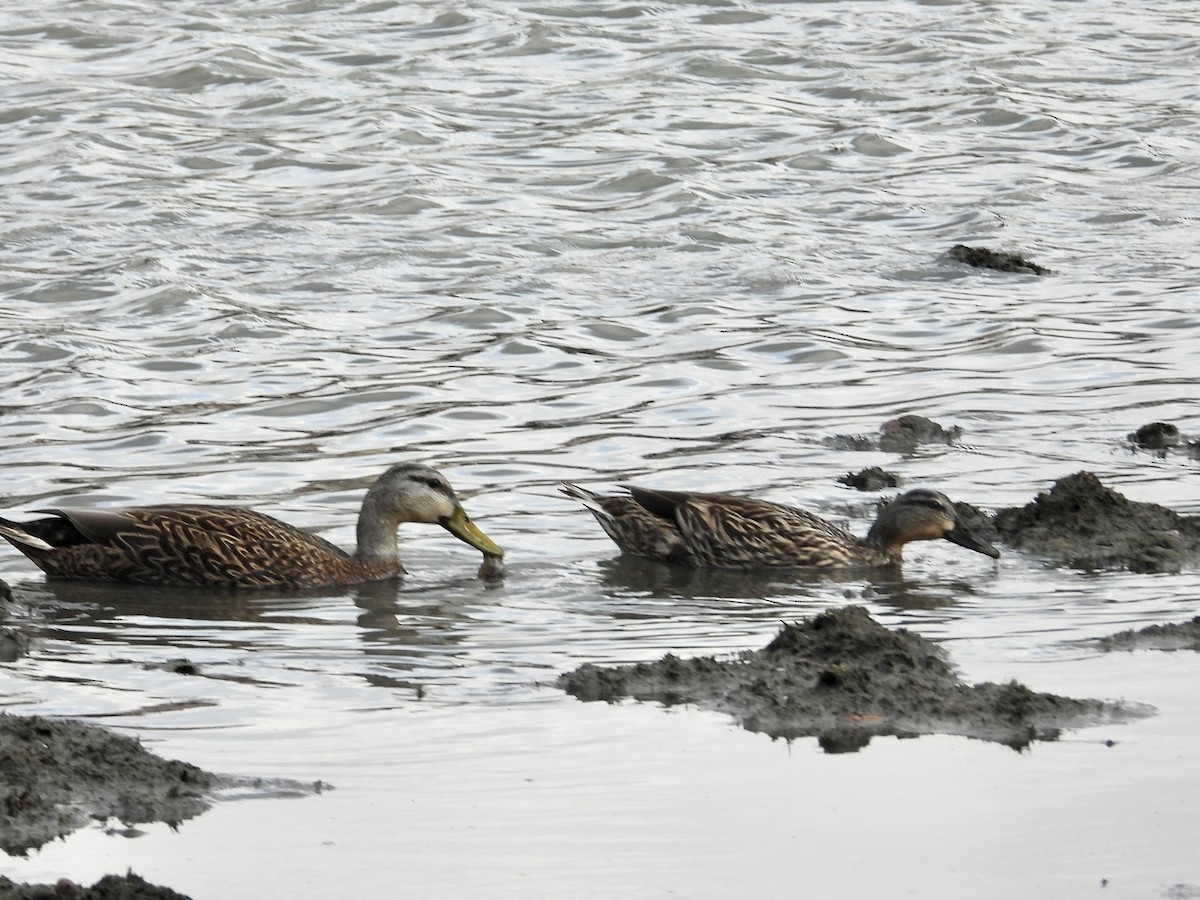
230,546
732,532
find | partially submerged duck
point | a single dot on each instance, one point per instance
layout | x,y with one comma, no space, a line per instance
733,532
231,546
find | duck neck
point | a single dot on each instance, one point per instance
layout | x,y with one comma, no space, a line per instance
376,532
883,542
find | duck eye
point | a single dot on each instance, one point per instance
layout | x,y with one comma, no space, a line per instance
433,483
930,502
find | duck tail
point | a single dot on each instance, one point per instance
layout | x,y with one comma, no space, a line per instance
22,538
607,510
593,502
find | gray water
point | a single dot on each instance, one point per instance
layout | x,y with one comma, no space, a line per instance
257,252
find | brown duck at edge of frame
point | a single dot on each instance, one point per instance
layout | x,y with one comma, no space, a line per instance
231,546
734,532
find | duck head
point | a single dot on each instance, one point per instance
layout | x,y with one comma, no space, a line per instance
923,515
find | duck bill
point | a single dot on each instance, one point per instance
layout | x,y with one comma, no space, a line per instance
965,538
461,526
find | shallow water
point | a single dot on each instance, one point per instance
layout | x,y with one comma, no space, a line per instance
258,252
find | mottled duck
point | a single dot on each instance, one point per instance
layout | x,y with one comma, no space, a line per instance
230,546
733,532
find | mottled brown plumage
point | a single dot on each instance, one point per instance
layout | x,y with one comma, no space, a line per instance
230,546
733,532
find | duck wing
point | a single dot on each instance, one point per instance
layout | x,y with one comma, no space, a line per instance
183,545
728,531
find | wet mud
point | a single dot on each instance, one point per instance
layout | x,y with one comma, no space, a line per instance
1082,523
110,887
843,678
56,775
1172,636
999,260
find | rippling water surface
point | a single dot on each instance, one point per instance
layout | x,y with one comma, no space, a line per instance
257,252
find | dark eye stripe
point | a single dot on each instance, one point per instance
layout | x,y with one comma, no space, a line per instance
923,498
431,481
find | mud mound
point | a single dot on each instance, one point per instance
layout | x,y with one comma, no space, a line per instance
1180,636
1084,524
110,887
843,678
56,774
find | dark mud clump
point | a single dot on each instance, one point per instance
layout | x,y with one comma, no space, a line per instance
857,443
843,678
1001,261
1084,524
1156,436
1162,438
110,887
871,478
907,433
14,644
56,774
900,435
1174,636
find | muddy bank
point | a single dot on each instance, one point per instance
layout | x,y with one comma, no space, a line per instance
1173,636
110,887
56,775
843,678
1082,523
